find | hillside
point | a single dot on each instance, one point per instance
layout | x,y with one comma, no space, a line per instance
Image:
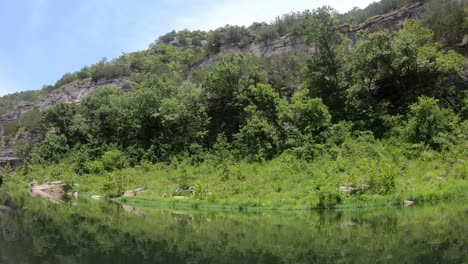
285,37
316,108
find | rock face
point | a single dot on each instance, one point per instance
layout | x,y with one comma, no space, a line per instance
72,93
265,49
76,91
14,162
392,21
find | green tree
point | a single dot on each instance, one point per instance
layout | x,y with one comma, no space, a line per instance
322,74
225,98
64,118
51,149
22,149
308,115
109,115
258,140
448,20
428,124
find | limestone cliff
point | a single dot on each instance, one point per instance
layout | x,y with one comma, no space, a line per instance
72,93
75,92
392,21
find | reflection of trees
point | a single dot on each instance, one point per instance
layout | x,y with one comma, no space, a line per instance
102,233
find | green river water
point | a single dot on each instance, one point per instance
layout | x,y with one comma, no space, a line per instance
81,231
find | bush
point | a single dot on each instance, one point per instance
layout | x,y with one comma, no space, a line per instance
324,193
51,149
116,184
373,175
429,124
257,140
113,159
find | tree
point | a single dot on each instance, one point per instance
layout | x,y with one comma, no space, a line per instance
109,116
225,99
448,20
267,100
258,140
22,149
430,125
51,149
305,119
323,69
389,72
64,118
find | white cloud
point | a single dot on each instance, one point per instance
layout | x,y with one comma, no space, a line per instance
245,12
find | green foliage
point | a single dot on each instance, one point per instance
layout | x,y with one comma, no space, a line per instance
258,140
324,193
15,100
374,176
357,15
324,68
51,149
108,70
6,173
65,119
389,72
308,115
116,183
223,89
448,20
113,159
28,123
428,124
22,149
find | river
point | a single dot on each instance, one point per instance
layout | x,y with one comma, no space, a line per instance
82,231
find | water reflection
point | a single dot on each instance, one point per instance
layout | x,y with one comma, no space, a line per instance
34,231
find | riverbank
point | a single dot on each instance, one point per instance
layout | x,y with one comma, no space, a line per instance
360,177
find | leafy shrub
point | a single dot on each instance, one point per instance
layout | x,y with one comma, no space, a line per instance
257,140
324,193
114,159
373,175
51,149
429,124
116,183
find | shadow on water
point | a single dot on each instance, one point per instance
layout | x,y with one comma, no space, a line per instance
80,231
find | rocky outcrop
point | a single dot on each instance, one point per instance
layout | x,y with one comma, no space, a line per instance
133,193
264,49
392,21
72,93
54,192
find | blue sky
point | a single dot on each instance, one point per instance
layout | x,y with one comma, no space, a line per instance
43,39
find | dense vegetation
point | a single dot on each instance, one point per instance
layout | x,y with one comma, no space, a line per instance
385,116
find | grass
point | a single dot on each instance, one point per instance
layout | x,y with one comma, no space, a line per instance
382,175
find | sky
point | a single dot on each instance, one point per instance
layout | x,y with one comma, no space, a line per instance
43,39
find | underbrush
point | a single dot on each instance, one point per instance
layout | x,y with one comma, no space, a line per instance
361,172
